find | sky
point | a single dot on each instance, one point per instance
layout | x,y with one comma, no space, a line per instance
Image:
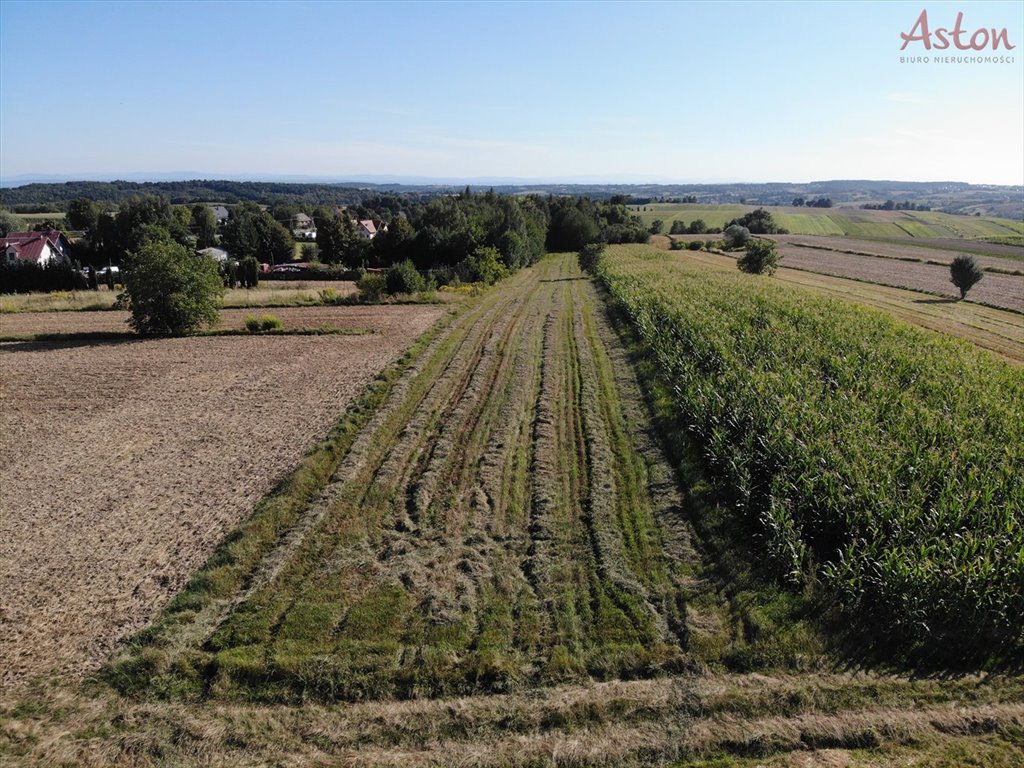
670,92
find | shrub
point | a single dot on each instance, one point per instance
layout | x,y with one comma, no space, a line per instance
695,245
484,265
964,272
736,236
590,255
403,278
263,323
371,287
171,291
761,258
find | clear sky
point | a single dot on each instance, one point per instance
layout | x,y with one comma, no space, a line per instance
668,91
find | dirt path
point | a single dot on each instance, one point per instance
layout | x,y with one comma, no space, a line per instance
126,463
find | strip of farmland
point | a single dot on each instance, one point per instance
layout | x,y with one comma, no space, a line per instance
503,520
126,462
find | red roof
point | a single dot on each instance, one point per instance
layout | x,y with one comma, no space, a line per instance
30,245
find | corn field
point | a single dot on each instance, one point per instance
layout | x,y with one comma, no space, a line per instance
875,461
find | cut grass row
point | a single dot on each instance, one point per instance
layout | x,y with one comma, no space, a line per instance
491,528
867,455
722,720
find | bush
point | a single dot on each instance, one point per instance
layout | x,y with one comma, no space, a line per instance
589,256
761,258
171,291
484,265
964,272
371,287
736,236
695,245
263,324
403,278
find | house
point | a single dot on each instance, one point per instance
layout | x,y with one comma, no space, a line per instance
217,254
221,213
303,227
50,247
369,229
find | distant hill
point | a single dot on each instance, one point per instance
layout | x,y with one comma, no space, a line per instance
947,196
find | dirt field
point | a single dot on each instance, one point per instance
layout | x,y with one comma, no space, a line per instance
942,251
998,290
125,463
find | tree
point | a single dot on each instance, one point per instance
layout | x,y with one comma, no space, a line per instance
204,225
251,231
656,226
403,278
761,258
83,214
735,236
484,265
964,272
10,223
171,291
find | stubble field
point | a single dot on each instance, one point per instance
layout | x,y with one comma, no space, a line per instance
125,463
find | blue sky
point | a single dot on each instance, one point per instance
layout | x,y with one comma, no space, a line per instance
684,92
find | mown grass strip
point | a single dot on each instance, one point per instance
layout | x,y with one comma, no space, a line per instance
146,665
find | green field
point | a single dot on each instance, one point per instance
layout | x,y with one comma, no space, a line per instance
851,222
872,458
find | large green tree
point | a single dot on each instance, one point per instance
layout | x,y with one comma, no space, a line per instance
171,291
252,232
204,225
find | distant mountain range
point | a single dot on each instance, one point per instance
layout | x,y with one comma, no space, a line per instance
947,196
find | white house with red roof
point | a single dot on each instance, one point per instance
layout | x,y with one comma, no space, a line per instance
40,248
370,229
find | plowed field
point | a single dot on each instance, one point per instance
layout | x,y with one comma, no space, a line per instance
125,463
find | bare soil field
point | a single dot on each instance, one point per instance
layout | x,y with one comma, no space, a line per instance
126,462
383,319
1006,291
990,255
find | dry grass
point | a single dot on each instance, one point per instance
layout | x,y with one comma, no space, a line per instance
792,720
267,294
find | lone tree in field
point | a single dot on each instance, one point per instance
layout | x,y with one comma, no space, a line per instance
761,258
964,272
170,291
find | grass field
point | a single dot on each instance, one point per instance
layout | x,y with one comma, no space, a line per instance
848,222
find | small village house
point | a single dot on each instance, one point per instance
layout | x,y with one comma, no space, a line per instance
51,247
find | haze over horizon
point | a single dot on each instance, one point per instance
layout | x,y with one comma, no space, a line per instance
694,93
